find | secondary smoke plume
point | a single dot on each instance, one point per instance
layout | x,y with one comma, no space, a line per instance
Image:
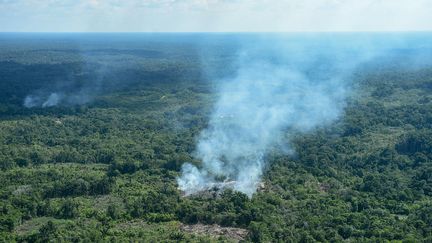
45,100
281,87
75,88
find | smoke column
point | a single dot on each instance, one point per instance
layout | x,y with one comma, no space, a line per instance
66,92
280,87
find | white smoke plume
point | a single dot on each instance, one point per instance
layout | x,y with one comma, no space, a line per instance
55,99
281,87
43,101
31,101
74,88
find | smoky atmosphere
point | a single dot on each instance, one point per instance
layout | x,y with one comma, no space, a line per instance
215,121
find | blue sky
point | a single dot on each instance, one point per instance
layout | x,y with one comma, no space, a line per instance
215,15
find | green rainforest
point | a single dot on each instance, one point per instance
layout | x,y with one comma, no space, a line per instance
95,130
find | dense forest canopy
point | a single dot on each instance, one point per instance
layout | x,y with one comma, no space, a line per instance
95,128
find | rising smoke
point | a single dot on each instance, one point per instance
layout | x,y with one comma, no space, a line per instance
281,87
57,98
73,90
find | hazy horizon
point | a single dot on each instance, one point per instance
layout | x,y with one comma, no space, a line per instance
225,32
215,16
